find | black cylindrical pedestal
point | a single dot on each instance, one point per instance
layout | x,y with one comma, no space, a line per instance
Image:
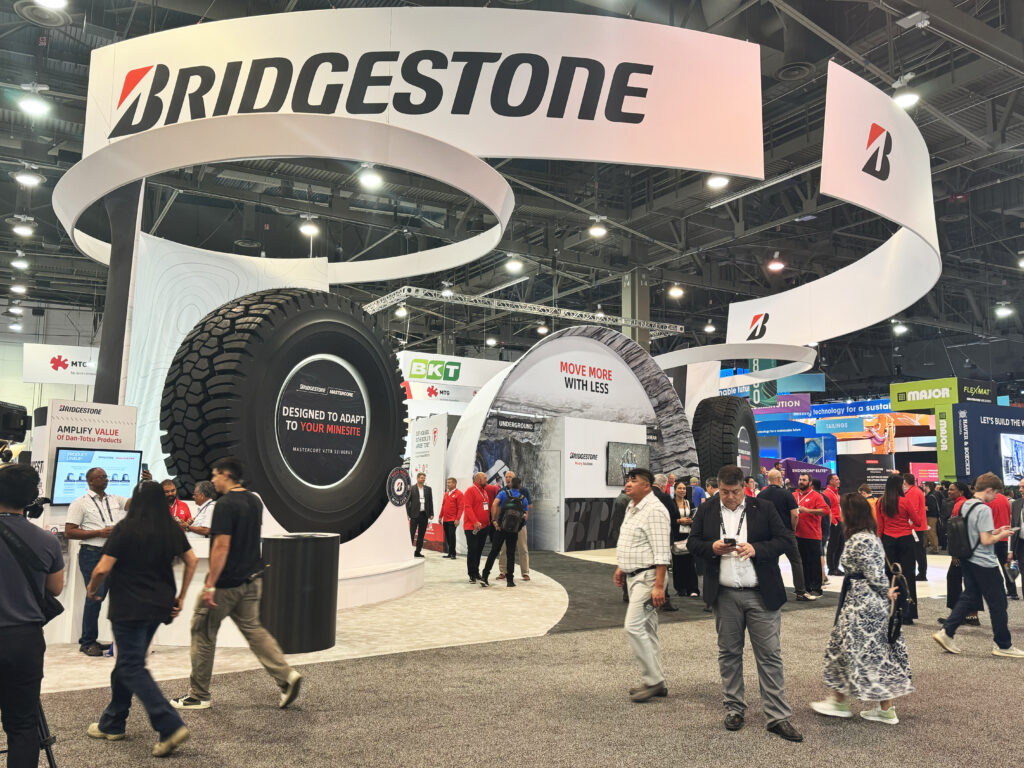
300,590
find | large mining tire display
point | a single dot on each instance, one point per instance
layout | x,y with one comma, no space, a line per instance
302,389
725,433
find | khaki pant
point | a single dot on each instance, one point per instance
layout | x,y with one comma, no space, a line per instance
242,605
522,555
931,538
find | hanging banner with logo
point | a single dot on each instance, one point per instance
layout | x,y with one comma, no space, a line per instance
793,405
58,364
428,444
763,394
856,408
838,426
873,156
938,396
989,438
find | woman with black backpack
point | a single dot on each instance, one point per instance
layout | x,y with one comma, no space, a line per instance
897,521
139,558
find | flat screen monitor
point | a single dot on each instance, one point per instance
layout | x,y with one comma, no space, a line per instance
1012,449
71,464
625,457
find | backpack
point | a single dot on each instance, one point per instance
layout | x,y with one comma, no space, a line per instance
958,536
512,513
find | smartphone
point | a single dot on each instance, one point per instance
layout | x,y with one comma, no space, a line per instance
729,542
145,467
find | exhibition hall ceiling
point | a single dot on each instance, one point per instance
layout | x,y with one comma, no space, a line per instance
964,59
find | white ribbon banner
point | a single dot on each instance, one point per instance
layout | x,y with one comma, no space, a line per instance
873,155
429,90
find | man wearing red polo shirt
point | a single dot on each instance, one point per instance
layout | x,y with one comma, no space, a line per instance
476,522
915,497
836,540
1000,507
451,511
812,508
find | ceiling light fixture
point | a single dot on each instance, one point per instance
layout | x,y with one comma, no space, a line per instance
28,177
899,329
597,229
308,227
776,264
16,310
542,329
718,182
1003,309
24,225
514,264
491,341
53,5
16,327
370,178
676,291
19,263
710,327
905,98
1020,263
21,290
401,311
600,312
447,292
31,103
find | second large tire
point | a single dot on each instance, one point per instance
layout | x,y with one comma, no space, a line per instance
725,433
245,363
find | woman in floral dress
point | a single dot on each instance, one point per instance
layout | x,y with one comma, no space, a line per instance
859,660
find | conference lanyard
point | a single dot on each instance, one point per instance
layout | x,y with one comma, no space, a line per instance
801,499
106,500
739,527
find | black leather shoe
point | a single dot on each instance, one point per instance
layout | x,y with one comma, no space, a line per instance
786,731
921,578
662,692
707,609
668,607
417,554
972,621
733,721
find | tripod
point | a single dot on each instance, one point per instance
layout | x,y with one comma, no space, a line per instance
46,739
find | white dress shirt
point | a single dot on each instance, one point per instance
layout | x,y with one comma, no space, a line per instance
423,499
202,518
90,512
734,571
644,535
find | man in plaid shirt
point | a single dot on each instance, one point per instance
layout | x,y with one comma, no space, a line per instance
643,555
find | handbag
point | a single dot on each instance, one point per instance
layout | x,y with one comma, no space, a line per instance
28,561
895,624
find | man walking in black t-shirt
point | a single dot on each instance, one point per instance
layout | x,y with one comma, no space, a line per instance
233,589
786,506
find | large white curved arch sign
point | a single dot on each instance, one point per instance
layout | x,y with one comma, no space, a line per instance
873,155
429,90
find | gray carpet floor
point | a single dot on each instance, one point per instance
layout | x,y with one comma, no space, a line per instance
560,700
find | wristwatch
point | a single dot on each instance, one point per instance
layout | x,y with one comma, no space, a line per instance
209,589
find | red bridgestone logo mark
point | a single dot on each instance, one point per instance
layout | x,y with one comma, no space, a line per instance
131,80
58,363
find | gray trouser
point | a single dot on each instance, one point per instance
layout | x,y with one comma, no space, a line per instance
796,565
522,555
242,604
642,628
737,611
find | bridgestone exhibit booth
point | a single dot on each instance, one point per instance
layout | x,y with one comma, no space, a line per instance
337,375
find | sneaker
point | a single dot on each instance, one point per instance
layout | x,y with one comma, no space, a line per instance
832,708
93,649
171,743
880,715
815,593
946,642
825,582
804,599
94,732
290,692
472,580
510,583
1010,653
484,582
190,702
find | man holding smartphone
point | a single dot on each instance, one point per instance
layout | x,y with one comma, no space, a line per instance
740,539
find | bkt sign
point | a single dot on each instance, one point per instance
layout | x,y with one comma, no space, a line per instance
434,370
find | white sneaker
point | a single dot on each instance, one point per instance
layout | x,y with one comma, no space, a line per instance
290,692
946,642
1010,653
832,708
880,715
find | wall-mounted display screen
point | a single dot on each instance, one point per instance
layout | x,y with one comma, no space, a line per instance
122,468
625,457
1012,449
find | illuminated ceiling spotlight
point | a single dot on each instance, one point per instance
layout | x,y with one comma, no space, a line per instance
676,291
599,312
718,182
369,177
1003,309
514,264
446,289
401,311
53,5
20,262
24,225
28,177
905,98
19,289
308,227
776,264
899,329
31,103
491,341
542,328
16,327
598,229
710,327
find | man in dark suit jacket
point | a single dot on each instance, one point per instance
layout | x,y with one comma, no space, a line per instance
420,509
743,584
1016,548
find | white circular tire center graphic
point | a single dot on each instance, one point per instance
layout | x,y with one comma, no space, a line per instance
321,420
744,451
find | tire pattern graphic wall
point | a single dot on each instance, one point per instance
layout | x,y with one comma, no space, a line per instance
320,461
